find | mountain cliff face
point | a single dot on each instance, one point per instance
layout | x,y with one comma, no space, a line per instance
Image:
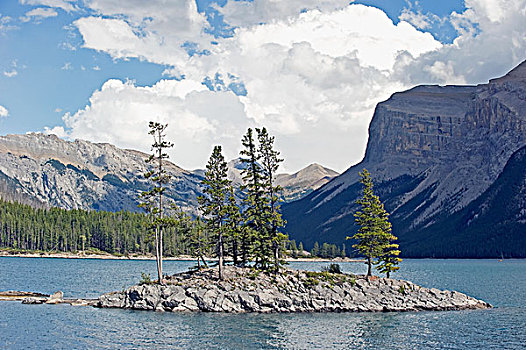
432,151
83,175
43,170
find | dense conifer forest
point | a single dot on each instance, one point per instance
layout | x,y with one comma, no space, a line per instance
28,228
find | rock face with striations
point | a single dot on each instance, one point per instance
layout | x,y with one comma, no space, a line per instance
43,170
244,290
433,152
38,168
294,186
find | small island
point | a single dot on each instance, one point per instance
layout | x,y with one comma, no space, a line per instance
249,290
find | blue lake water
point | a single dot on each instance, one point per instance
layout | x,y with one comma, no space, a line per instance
502,284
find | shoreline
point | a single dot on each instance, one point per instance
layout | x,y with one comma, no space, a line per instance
64,255
246,290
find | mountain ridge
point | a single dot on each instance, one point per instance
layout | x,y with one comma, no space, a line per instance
432,150
46,171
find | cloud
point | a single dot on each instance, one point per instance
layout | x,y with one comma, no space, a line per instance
491,41
417,19
120,111
138,29
66,5
57,130
315,73
5,25
3,112
38,14
67,66
249,13
11,73
312,72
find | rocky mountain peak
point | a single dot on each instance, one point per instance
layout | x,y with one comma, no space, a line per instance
432,150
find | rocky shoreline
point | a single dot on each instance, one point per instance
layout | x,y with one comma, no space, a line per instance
248,290
108,256
39,298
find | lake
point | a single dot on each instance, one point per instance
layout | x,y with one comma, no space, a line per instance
502,284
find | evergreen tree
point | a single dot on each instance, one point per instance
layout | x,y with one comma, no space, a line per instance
213,204
315,250
152,200
270,163
300,248
233,229
199,243
374,233
389,260
254,204
293,249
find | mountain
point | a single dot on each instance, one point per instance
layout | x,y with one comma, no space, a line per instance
46,171
437,154
82,175
295,185
305,181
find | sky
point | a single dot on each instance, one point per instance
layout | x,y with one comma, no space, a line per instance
311,71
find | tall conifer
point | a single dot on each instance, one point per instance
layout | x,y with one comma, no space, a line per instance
254,202
152,200
213,204
270,163
374,233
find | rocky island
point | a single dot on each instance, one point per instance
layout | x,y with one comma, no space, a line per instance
248,290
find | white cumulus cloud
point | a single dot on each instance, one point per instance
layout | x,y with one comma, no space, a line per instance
492,40
38,14
66,5
3,112
311,71
119,113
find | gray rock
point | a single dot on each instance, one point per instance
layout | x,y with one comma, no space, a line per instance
201,291
55,298
32,300
432,150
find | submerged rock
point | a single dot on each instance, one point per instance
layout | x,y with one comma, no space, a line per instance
248,290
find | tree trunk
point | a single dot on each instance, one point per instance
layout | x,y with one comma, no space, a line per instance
369,265
220,253
234,252
161,255
157,256
276,256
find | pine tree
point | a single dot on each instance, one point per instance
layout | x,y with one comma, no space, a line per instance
293,249
233,229
254,204
315,250
270,163
213,204
198,242
389,260
152,200
300,248
374,233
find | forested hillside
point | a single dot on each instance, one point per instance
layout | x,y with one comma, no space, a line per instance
28,228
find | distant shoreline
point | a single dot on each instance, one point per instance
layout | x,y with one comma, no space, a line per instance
65,255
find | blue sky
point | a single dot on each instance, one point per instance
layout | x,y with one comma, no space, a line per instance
311,71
